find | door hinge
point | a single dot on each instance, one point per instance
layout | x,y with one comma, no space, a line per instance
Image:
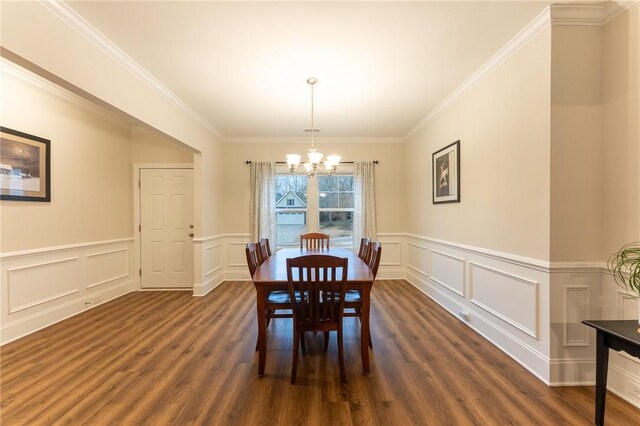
140,272
139,228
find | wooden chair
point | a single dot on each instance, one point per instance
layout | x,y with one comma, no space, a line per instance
264,250
276,300
353,298
314,240
253,259
320,283
365,249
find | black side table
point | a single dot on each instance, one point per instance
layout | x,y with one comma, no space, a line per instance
619,335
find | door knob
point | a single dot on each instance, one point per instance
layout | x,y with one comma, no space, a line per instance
191,226
191,234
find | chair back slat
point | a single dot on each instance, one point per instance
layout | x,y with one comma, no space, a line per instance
253,261
374,257
264,251
314,240
365,249
321,282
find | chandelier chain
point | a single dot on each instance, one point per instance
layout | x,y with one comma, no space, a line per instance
312,126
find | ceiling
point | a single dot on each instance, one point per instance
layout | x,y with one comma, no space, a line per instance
382,66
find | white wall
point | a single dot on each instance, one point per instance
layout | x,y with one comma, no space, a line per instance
90,172
61,257
503,126
390,187
149,147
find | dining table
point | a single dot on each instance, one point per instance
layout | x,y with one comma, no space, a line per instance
271,275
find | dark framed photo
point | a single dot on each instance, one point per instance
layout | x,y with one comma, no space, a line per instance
25,166
446,174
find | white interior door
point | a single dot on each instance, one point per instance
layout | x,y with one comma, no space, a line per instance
166,227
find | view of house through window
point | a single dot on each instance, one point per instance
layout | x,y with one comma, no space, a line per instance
333,210
291,209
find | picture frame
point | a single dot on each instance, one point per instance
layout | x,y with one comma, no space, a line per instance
446,174
25,166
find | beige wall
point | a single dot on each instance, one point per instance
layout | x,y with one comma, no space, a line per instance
390,185
621,130
503,125
90,173
151,147
210,178
576,143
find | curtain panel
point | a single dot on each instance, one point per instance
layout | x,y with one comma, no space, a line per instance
262,206
364,218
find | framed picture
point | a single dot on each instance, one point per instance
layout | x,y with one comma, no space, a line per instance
25,166
446,174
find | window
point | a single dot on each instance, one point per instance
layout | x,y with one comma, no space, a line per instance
321,204
335,208
291,209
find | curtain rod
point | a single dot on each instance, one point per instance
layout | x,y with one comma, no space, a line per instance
342,162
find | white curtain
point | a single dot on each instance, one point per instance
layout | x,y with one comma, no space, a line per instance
364,218
262,180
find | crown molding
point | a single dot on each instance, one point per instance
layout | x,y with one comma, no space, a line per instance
528,33
22,76
74,20
579,13
306,140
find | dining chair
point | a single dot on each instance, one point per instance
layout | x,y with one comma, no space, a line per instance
320,282
277,299
253,260
353,298
365,249
314,240
264,250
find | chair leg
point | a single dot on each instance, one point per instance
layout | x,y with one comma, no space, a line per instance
304,349
370,342
326,341
343,374
294,361
269,312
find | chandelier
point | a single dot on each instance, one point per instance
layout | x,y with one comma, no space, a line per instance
314,158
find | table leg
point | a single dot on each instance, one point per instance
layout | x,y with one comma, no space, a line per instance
602,363
364,328
262,330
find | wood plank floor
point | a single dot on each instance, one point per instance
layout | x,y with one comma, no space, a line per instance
169,358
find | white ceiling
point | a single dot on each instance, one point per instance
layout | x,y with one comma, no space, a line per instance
243,66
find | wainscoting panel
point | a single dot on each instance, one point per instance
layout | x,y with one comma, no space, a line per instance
236,255
417,258
391,253
107,266
448,271
43,286
511,298
213,259
575,308
38,283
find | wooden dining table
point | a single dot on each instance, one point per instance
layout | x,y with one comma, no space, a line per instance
272,275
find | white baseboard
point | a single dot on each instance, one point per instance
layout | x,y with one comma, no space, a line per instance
37,321
211,283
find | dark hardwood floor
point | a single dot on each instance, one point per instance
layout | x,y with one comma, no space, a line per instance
169,358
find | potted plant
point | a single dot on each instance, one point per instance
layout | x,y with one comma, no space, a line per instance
625,267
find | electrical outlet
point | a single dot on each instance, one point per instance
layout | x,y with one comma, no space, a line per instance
465,316
635,390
